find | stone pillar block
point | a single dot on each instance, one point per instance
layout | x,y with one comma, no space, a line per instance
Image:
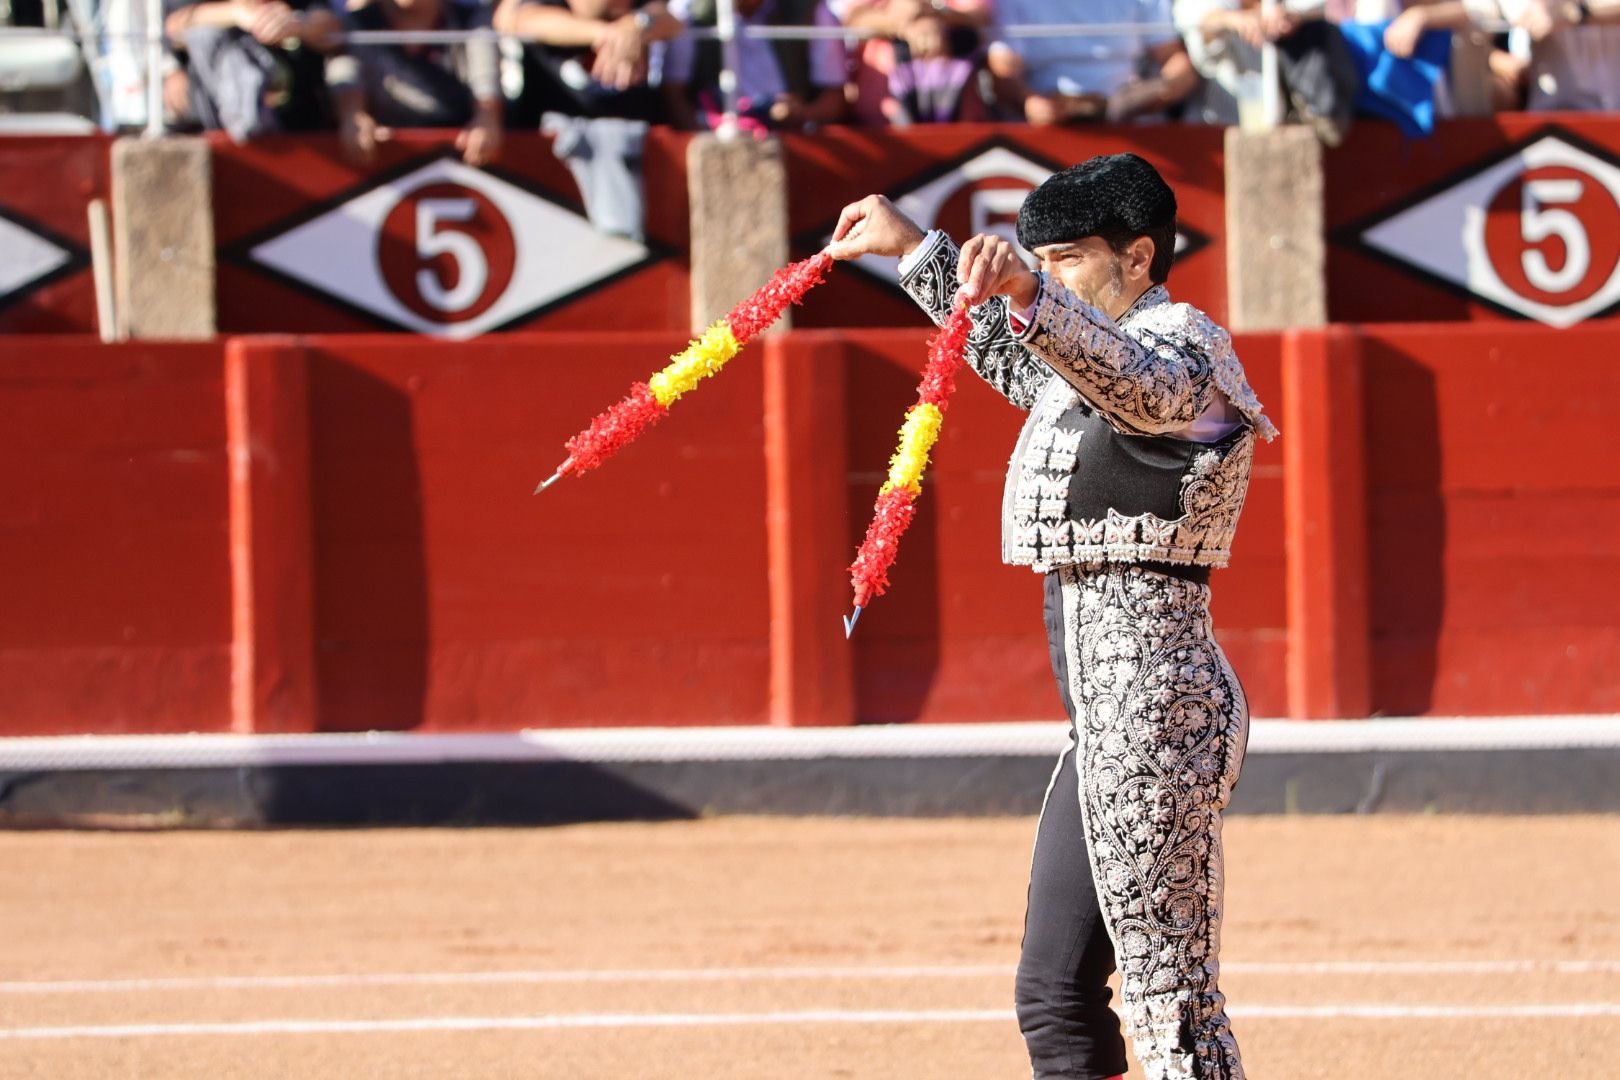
739,221
163,238
1276,256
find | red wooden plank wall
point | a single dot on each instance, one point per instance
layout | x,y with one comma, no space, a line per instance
449,597
1493,519
115,602
443,596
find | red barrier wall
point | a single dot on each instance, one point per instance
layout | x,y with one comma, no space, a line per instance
405,578
114,572
1493,519
447,596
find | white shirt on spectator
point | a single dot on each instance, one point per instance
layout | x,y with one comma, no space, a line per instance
759,76
1083,65
1575,67
1226,61
1225,58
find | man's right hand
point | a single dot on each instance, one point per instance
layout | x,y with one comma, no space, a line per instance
621,54
873,226
989,266
272,23
1045,109
1401,36
359,134
927,36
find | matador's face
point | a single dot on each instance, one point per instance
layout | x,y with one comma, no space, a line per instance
1096,273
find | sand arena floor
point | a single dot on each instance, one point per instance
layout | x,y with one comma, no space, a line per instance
755,948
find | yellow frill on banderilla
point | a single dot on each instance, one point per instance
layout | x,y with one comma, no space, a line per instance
705,356
917,436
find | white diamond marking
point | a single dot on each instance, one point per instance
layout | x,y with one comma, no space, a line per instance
557,251
1445,234
26,256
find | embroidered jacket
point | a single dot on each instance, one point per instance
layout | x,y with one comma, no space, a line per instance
1096,474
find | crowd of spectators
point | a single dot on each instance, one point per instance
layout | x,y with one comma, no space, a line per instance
253,66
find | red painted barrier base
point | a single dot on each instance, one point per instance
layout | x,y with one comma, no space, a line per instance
358,548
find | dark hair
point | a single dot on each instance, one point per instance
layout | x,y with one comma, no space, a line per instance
1116,198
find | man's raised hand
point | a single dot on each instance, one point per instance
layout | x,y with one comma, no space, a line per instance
991,266
873,226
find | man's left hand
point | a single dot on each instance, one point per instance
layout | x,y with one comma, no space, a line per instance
926,36
1401,36
991,266
1277,22
480,141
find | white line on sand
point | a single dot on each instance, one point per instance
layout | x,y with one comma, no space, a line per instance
785,974
473,978
1421,967
815,1016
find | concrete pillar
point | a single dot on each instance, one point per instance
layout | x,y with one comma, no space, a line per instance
1276,256
1325,514
163,238
738,193
273,687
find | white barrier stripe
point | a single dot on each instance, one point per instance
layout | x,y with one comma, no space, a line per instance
814,1016
768,744
854,972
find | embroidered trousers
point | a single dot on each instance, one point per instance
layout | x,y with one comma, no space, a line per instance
1127,867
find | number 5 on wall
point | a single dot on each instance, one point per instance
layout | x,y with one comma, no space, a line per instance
1538,222
472,269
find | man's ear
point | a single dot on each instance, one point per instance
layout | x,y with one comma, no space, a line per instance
1138,258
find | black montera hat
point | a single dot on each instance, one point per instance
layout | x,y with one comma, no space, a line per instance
1117,197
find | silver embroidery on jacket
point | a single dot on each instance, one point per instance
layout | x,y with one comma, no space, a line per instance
1153,372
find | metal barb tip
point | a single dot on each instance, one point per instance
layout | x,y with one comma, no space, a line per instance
851,620
556,476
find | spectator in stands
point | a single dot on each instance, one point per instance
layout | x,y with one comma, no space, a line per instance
1574,61
1470,75
1224,39
780,84
1054,79
249,67
923,68
591,57
376,88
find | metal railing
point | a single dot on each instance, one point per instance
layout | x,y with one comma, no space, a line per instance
154,68
728,30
